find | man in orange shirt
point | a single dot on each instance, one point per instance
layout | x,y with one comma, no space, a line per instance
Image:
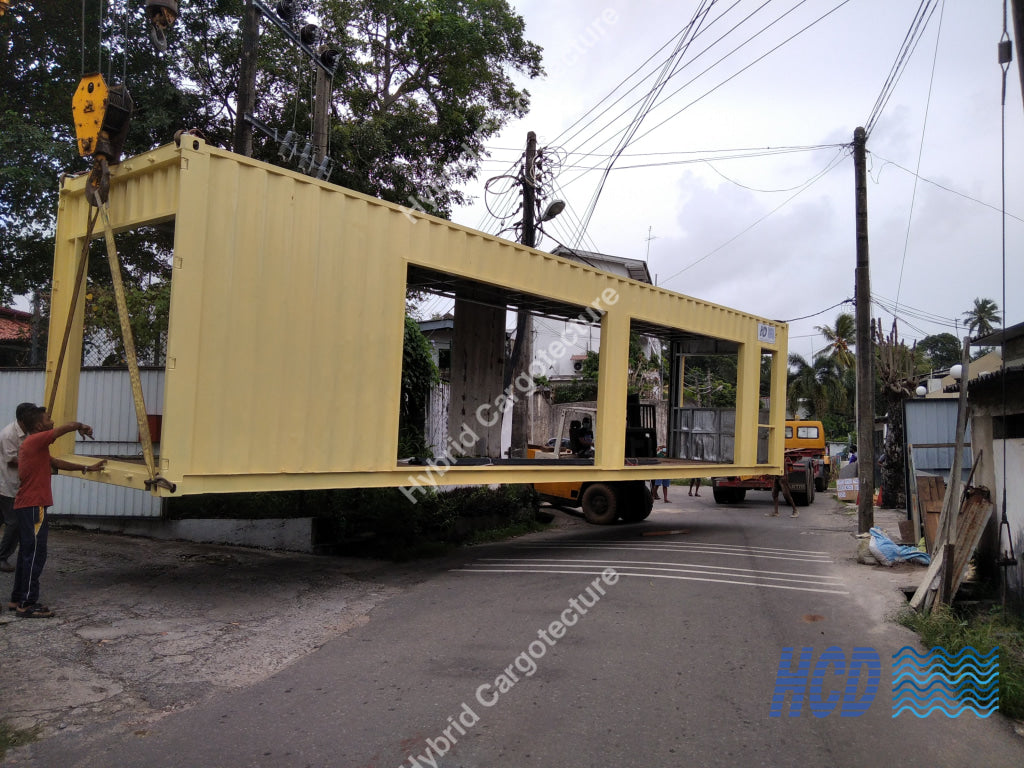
35,466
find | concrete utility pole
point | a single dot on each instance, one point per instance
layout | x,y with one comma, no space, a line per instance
522,350
865,349
246,100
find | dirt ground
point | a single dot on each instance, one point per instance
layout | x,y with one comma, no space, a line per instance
144,628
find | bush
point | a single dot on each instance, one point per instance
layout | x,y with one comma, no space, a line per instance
383,522
380,522
955,628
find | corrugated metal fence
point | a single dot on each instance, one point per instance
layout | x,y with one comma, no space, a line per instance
105,403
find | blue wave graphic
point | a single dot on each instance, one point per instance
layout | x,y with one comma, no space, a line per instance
952,683
952,677
941,652
965,665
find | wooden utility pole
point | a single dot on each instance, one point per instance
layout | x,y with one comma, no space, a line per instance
865,351
246,101
321,109
522,350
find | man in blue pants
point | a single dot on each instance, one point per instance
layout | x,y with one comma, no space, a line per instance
34,497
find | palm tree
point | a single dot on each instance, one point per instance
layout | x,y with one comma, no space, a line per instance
982,318
840,339
818,387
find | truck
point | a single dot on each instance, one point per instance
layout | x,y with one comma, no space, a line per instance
806,465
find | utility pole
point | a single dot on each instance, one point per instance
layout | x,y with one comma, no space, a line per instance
865,350
522,350
321,109
246,100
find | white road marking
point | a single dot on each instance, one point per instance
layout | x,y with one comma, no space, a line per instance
658,576
662,569
711,549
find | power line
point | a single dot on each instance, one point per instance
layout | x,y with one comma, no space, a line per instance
834,162
821,312
944,187
648,104
920,152
910,41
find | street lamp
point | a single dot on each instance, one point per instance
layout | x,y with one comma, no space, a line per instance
554,208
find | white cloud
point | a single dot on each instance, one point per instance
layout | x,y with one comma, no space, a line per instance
814,90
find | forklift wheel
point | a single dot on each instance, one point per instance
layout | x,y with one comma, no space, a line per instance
600,505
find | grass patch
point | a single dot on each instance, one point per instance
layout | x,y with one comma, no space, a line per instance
954,629
11,737
508,532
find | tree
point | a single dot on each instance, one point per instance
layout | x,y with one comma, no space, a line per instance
896,371
982,317
841,338
939,352
818,388
420,86
43,46
419,374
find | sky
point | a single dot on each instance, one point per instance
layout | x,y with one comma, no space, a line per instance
772,232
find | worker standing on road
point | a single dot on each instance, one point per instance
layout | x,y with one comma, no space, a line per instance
34,497
781,484
11,438
664,484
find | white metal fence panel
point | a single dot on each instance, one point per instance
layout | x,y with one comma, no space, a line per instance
105,403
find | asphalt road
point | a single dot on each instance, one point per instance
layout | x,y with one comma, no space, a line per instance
655,644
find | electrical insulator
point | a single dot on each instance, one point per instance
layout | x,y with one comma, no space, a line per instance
285,9
330,58
309,33
288,146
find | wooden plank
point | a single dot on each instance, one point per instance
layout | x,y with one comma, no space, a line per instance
973,519
925,593
975,513
915,509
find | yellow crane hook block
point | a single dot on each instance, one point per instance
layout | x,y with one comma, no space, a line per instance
88,106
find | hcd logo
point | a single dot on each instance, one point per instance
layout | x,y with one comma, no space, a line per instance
806,682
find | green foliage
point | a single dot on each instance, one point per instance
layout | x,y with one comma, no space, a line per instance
385,523
841,339
983,317
11,737
381,522
821,387
148,313
644,370
953,630
710,380
574,392
420,87
591,366
938,352
42,40
419,374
